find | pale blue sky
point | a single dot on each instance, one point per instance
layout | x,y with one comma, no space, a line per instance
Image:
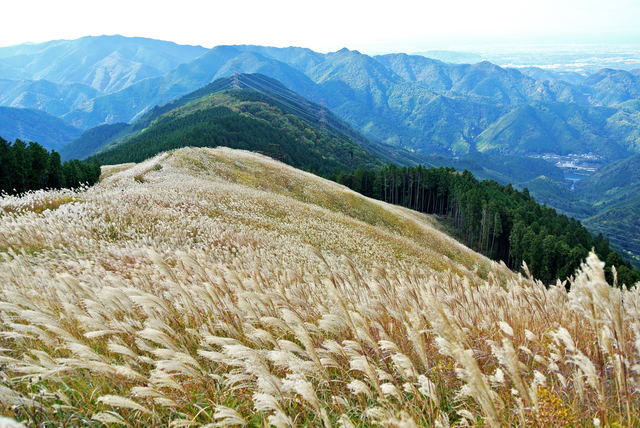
328,25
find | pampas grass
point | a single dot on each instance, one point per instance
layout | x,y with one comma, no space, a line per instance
226,289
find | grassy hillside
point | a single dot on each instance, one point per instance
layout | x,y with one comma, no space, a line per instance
221,287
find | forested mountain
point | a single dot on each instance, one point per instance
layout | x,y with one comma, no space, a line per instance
564,128
269,91
483,81
277,124
607,202
433,107
503,169
302,59
614,193
619,176
63,75
546,74
516,170
35,125
129,104
611,87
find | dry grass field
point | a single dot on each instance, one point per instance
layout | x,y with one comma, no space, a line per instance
214,288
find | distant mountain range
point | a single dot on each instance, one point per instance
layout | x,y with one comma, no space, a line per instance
421,104
106,63
452,56
539,73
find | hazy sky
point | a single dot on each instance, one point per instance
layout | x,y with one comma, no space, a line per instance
328,25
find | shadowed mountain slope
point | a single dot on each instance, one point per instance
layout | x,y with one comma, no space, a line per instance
92,141
38,126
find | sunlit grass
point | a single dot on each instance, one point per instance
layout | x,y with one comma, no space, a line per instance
227,289
108,170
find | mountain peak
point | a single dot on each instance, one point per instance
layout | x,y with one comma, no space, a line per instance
348,51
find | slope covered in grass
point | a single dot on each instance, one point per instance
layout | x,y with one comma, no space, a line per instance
221,288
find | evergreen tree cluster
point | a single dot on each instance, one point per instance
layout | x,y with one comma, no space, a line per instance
25,167
498,221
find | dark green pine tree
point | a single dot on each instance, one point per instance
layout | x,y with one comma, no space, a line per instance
55,178
71,173
31,167
37,168
8,166
20,174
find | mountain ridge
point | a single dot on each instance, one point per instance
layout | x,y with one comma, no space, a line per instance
81,60
382,97
267,100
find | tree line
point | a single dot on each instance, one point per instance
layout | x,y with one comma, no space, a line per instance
25,167
495,220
